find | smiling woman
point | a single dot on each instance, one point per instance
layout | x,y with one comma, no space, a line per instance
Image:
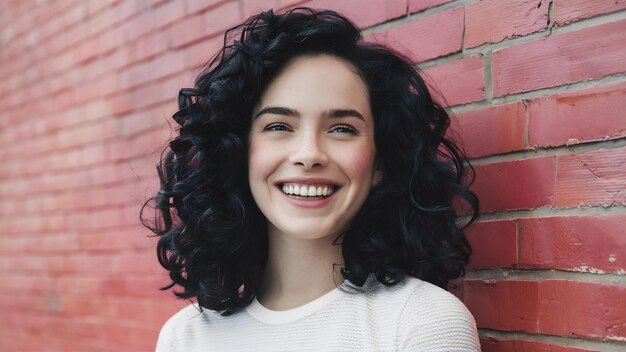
309,150
306,202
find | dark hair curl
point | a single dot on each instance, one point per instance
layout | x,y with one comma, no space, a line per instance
213,237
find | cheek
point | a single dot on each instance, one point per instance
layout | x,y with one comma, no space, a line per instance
360,163
255,157
259,161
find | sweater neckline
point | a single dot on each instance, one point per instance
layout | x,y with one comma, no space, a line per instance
273,317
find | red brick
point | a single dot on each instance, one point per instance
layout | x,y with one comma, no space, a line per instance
168,12
111,39
119,104
170,63
80,305
194,6
586,243
582,309
126,9
560,59
148,46
185,31
109,240
93,154
219,19
253,7
364,13
130,335
140,263
135,286
495,130
490,344
520,184
196,56
566,11
151,95
447,89
107,173
503,305
580,116
594,178
140,25
419,5
490,21
417,39
494,244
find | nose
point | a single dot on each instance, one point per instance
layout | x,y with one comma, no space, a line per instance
309,152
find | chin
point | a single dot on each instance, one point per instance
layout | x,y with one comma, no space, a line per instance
308,232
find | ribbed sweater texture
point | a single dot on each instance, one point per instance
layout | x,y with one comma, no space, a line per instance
411,316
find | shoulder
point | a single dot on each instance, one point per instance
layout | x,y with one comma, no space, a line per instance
433,319
179,324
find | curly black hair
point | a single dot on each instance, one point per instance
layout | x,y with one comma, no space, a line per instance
212,236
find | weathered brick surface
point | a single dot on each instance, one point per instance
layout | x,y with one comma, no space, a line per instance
504,305
418,41
594,178
419,5
490,21
563,58
581,243
490,344
494,244
448,90
497,129
575,10
88,88
522,184
364,13
578,116
555,307
582,309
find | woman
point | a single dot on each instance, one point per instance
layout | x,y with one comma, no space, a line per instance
306,203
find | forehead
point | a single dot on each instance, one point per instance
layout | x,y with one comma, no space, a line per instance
317,82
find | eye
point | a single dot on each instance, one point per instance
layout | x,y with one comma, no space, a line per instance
276,127
344,129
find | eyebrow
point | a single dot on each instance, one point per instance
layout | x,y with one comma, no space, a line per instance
334,113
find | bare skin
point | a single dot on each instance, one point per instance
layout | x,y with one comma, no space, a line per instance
300,274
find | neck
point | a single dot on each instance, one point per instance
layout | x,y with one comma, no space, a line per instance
298,270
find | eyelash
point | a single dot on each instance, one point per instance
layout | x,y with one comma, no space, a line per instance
283,127
349,129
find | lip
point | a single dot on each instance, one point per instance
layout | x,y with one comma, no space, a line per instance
308,181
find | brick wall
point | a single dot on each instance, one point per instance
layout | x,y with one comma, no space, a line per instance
538,89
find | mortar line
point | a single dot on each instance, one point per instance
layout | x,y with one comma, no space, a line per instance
548,31
544,92
581,274
416,16
550,212
537,152
550,24
608,346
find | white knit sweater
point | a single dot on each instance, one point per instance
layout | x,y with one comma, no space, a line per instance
411,316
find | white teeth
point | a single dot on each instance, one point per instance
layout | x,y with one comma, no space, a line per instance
307,191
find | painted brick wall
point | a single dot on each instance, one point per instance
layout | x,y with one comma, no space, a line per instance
538,89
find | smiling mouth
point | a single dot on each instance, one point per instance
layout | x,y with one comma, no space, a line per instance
307,191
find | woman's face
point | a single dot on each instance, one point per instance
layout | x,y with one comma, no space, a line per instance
311,148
